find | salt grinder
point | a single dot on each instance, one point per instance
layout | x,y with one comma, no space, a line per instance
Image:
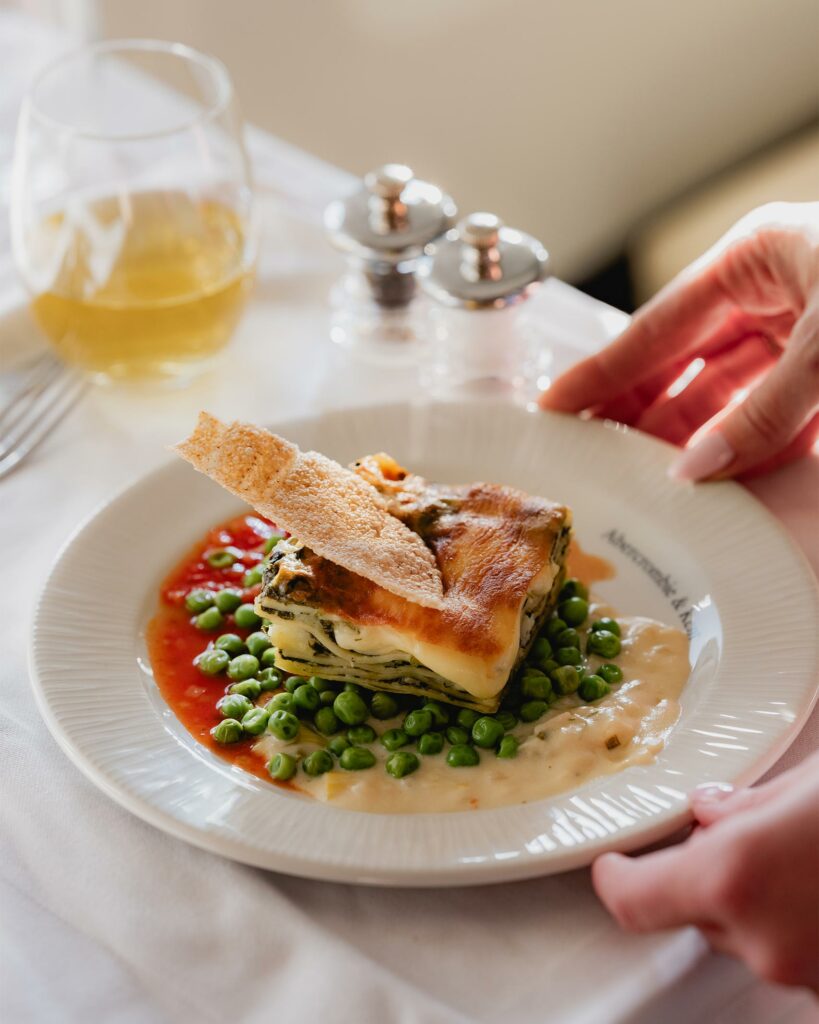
383,229
486,342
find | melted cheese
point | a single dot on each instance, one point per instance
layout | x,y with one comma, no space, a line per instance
572,744
480,676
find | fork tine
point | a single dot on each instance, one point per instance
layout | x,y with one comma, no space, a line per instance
42,372
61,400
39,397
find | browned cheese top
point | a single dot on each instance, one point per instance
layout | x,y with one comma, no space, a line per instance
489,542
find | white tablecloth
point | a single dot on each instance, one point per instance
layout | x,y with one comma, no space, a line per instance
102,918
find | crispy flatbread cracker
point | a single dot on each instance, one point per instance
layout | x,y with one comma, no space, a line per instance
329,508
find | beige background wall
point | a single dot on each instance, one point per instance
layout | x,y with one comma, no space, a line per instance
571,118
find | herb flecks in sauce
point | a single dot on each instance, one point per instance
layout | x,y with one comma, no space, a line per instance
625,721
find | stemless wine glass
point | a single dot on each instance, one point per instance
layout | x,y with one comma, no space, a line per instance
131,209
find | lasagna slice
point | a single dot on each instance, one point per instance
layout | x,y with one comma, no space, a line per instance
501,556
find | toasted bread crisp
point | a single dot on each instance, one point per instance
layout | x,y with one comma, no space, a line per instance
329,508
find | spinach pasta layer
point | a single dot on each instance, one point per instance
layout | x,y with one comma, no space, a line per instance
500,554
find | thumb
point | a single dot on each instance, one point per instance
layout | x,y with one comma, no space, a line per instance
768,420
711,803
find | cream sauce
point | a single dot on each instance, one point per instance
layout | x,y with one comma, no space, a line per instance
573,743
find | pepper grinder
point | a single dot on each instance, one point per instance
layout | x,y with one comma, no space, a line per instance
383,229
486,342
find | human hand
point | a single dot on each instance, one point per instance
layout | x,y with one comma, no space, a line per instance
749,311
748,878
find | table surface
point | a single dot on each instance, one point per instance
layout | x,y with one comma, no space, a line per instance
104,918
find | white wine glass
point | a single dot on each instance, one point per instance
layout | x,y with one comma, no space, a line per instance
132,209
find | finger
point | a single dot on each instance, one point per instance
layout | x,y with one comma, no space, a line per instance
676,418
715,801
630,405
710,806
733,332
768,420
657,891
667,329
801,445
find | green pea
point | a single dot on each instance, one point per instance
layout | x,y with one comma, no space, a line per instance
610,625
243,667
383,706
487,732
337,745
541,649
602,642
508,747
573,587
209,619
233,705
401,764
271,542
568,637
257,643
268,658
550,665
255,721
574,611
569,656
245,617
282,702
250,688
317,763
326,721
253,577
507,718
228,600
232,643
199,601
355,759
565,680
440,714
350,708
531,672
536,687
593,688
227,731
392,739
553,628
222,558
282,766
292,683
327,697
306,698
269,679
212,662
418,722
360,734
353,688
462,756
467,718
532,710
431,743
319,684
457,736
283,725
610,673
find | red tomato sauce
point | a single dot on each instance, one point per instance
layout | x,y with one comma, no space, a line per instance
174,642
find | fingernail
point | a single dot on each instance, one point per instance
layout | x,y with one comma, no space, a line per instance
703,459
713,791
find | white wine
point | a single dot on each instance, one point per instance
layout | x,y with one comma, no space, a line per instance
148,285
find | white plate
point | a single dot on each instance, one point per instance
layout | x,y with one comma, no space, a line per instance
710,552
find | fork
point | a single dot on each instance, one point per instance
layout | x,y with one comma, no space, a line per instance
49,393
